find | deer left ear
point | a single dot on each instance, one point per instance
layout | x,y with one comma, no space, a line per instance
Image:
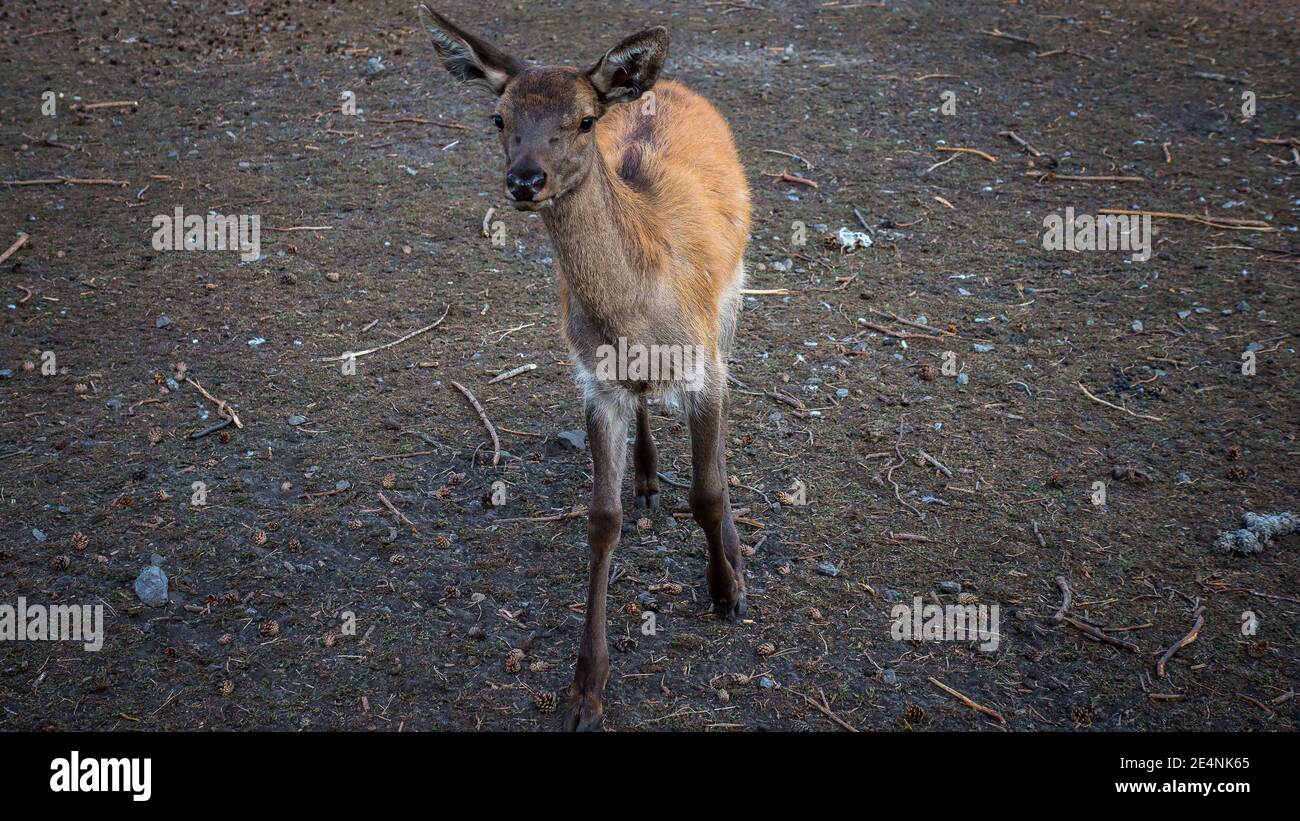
468,58
631,67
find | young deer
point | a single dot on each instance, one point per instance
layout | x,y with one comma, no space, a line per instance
648,210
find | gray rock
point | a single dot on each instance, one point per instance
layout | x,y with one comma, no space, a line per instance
151,586
1258,533
950,587
828,569
162,321
890,595
38,534
297,420
1136,326
963,378
979,347
571,439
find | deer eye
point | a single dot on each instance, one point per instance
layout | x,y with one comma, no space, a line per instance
587,123
498,122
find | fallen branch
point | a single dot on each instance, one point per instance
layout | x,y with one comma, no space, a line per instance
68,181
1052,176
1018,140
1191,636
786,176
556,517
108,104
398,341
825,709
1002,35
1117,407
948,149
1097,635
927,457
898,334
223,409
1213,222
417,120
1064,584
224,423
399,514
501,377
18,243
482,414
977,707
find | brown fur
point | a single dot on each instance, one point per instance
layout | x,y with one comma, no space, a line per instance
648,210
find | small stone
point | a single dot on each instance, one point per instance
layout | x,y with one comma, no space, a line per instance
950,587
162,321
890,595
980,347
38,534
571,439
296,420
151,586
1136,325
963,378
828,569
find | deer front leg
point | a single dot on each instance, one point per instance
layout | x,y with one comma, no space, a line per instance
711,502
645,478
607,436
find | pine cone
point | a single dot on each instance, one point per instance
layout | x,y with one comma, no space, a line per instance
514,660
389,481
765,649
80,541
269,629
545,702
913,713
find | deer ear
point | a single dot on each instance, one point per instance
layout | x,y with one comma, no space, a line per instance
631,67
468,58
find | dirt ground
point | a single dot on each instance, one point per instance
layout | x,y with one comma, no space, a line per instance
238,113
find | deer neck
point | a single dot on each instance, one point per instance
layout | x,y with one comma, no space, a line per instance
592,246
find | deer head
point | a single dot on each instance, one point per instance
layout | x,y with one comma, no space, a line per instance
548,115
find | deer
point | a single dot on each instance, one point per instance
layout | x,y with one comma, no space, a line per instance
643,197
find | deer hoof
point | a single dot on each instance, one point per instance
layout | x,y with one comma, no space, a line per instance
647,501
730,611
584,715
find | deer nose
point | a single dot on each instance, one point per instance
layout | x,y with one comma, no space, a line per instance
525,183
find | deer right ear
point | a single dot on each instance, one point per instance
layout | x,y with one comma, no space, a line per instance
468,58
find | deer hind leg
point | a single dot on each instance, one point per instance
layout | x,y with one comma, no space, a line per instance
645,481
607,418
711,501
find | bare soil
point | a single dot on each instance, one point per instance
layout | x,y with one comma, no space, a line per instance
238,114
